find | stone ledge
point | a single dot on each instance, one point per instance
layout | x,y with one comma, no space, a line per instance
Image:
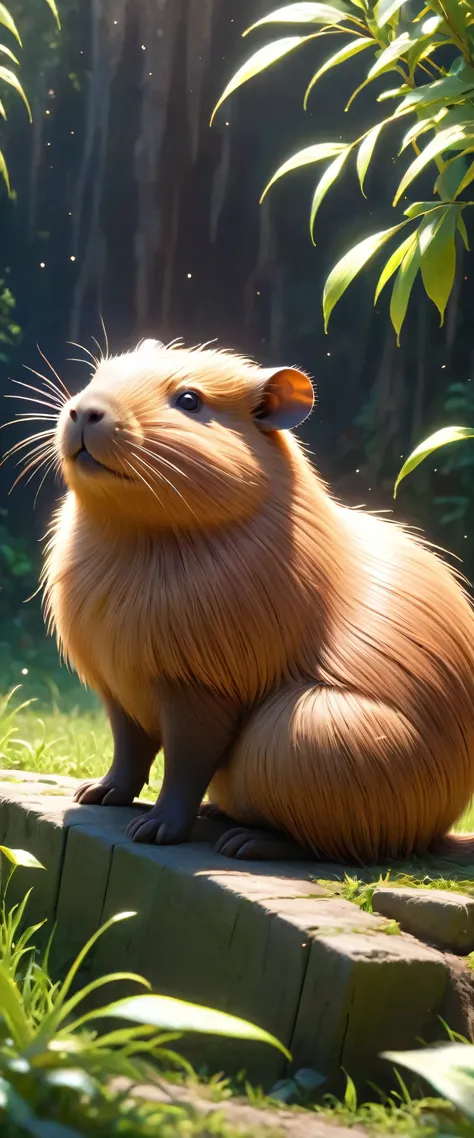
436,916
258,940
240,1115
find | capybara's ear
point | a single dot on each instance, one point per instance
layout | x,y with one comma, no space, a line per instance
286,399
146,345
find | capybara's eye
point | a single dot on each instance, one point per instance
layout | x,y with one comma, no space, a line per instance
189,401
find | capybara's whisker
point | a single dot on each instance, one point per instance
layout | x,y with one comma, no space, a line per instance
53,388
55,373
28,419
52,397
137,474
153,454
167,480
106,338
55,467
36,464
83,348
26,442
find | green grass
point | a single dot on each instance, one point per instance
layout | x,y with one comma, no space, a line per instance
466,823
75,743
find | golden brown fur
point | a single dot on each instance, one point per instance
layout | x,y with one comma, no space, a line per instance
349,644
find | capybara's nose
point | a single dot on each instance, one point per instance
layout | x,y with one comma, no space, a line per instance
85,415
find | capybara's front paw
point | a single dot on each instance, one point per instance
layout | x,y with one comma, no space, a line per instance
160,827
104,792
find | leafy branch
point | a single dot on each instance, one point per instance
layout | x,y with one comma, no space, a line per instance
9,77
439,101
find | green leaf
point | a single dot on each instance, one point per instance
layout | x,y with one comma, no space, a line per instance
442,141
415,208
445,90
360,43
449,1069
466,180
4,171
431,25
347,268
315,153
6,51
404,282
20,1113
51,4
393,263
427,122
448,181
350,1096
93,986
424,48
176,1015
366,150
13,81
394,93
13,1010
73,1078
21,857
303,13
258,62
390,54
438,257
325,183
440,438
385,9
8,22
463,231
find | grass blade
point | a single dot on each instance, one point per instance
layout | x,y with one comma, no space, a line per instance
177,1015
449,1069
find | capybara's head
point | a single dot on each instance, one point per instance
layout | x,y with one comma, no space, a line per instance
177,438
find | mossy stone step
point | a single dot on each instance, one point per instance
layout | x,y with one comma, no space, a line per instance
259,940
438,916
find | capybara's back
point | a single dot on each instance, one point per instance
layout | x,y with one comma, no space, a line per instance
377,759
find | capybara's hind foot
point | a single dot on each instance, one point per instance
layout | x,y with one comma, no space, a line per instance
210,810
104,792
259,845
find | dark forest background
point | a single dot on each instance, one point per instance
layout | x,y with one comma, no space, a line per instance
127,205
